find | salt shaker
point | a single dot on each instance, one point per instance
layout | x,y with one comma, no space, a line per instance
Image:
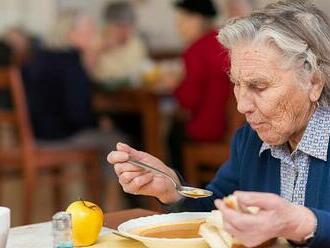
62,230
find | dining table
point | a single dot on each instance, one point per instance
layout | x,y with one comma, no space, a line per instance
40,235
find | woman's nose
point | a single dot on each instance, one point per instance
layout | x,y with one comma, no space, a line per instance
245,102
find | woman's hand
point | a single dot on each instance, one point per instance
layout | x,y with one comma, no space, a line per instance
135,180
276,218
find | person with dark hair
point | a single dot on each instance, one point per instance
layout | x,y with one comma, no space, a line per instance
205,89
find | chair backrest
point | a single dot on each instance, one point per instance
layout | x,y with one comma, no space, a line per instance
17,114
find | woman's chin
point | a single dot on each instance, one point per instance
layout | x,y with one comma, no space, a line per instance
270,139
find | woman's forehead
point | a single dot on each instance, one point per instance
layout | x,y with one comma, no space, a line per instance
255,61
254,52
252,77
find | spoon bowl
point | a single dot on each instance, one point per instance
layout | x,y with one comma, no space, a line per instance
185,191
193,192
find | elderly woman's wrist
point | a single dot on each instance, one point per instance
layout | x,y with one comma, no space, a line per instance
169,198
302,224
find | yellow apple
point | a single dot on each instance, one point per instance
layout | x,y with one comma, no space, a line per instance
87,221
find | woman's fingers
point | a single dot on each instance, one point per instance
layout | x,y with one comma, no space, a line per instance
266,201
134,154
229,215
127,176
136,180
136,185
115,157
126,167
122,154
247,228
230,229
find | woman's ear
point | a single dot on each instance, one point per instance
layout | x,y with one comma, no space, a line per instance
317,84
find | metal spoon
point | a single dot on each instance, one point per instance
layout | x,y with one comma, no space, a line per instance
115,232
186,191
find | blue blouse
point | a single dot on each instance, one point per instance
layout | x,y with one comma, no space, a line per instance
251,168
295,165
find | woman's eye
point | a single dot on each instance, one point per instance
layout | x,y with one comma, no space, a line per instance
258,87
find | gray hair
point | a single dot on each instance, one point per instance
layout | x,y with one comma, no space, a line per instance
298,28
120,12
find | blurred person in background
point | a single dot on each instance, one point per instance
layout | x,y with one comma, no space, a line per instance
59,93
75,33
205,88
121,55
239,8
123,51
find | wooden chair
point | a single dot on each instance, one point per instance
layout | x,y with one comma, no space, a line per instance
201,160
29,159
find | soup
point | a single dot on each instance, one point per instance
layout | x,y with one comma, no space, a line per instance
183,230
195,193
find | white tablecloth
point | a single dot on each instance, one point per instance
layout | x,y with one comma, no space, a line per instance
34,236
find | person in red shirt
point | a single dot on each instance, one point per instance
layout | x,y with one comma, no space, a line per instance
205,89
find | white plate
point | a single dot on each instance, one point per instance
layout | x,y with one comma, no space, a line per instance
129,228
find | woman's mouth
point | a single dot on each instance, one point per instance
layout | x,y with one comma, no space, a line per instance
255,125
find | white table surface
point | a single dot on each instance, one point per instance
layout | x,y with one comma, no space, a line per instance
34,236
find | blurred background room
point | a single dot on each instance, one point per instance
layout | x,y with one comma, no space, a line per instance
78,76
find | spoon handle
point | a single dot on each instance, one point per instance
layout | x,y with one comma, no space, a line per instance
115,232
148,167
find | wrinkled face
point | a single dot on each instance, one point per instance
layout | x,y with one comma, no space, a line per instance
275,102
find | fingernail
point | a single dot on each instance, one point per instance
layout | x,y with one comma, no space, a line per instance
239,195
120,145
108,157
242,197
217,202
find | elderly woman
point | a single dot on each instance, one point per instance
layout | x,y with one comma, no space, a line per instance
279,160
